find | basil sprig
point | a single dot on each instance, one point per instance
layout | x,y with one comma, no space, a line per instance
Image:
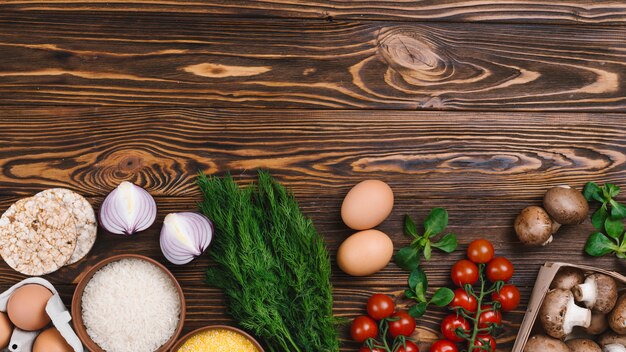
611,237
408,258
418,285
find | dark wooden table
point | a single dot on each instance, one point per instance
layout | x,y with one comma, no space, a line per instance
478,107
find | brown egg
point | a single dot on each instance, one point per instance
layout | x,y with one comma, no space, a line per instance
365,253
6,329
367,204
27,307
50,340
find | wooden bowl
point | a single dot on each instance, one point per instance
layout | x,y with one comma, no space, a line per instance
180,342
77,300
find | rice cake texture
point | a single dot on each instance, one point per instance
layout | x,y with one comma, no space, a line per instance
37,236
84,217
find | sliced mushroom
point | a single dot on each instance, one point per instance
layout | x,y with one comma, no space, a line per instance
567,278
617,317
566,205
599,293
583,345
559,314
543,343
599,323
534,226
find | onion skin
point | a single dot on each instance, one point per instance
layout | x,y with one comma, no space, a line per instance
185,236
128,209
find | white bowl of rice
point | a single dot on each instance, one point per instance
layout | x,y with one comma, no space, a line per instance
128,303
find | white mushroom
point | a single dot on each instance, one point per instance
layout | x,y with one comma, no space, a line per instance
567,278
559,314
566,205
534,227
583,345
599,323
543,343
612,341
614,347
617,317
599,293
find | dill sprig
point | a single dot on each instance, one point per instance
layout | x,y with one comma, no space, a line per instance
272,264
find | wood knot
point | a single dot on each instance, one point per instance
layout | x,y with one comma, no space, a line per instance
130,163
415,57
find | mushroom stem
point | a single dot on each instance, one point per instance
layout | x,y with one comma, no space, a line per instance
575,316
614,347
587,292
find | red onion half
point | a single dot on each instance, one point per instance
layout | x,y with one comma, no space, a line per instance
185,236
127,209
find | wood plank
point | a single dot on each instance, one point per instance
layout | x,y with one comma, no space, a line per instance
120,58
558,11
432,155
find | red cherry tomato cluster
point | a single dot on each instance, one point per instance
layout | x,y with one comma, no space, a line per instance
481,297
384,329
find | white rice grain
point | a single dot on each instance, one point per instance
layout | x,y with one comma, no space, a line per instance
130,305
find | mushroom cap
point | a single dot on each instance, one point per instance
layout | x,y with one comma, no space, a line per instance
612,337
567,278
543,343
617,317
566,205
534,226
559,314
583,345
599,323
606,293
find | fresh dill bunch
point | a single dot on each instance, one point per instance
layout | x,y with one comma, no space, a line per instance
272,264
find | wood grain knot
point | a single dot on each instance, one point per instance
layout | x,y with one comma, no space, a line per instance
222,71
414,57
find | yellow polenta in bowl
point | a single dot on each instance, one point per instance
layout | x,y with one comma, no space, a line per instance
217,338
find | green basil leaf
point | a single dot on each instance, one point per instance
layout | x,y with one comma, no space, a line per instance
419,284
598,245
599,217
447,243
427,251
436,221
591,191
410,294
418,310
618,211
621,255
614,228
408,258
410,229
442,297
612,190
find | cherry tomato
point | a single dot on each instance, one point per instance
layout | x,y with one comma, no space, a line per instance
363,328
499,269
443,346
480,251
404,325
488,317
450,324
508,297
484,340
464,272
410,347
380,306
463,300
367,349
